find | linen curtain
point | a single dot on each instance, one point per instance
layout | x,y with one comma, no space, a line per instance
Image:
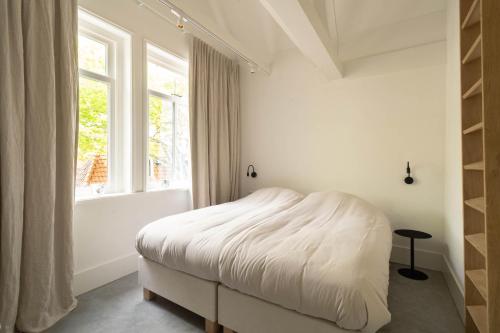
215,125
38,127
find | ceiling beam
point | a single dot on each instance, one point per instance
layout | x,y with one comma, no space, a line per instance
302,24
331,20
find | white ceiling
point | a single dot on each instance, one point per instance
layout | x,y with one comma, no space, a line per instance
355,17
363,27
377,22
248,22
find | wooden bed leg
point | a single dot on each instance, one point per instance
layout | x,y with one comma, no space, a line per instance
148,294
211,326
228,330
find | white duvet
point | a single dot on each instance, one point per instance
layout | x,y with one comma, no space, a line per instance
191,242
328,257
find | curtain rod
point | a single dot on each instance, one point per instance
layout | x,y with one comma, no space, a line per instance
252,64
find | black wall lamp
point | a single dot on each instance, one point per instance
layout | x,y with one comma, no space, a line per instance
409,179
253,173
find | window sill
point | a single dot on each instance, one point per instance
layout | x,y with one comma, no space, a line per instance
179,188
101,197
111,196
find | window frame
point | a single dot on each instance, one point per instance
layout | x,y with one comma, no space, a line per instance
118,67
177,65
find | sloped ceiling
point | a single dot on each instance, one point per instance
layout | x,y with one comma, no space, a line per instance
247,21
367,27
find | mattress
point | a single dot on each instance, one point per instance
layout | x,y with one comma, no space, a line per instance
191,242
327,257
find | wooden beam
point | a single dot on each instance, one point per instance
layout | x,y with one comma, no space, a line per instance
302,24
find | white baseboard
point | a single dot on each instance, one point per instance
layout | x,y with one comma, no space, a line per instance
435,261
456,288
423,258
104,273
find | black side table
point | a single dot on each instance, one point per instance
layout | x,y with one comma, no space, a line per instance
412,273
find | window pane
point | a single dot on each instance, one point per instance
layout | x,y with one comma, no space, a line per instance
92,55
182,170
92,167
165,81
160,143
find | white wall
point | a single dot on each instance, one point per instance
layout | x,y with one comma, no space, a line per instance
105,228
306,133
355,134
453,231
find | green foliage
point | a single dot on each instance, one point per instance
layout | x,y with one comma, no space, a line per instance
155,106
160,129
93,135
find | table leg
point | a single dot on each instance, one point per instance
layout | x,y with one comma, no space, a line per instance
412,253
411,272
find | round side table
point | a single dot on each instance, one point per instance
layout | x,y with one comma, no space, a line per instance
412,273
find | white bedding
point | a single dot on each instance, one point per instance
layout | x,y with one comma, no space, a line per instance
191,242
328,257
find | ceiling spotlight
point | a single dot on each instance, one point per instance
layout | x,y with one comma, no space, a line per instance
180,23
253,67
180,19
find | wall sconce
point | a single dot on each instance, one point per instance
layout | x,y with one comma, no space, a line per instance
409,179
253,173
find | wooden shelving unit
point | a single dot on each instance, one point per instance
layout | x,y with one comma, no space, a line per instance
476,88
478,166
478,241
473,14
478,279
480,75
474,128
474,51
479,317
476,203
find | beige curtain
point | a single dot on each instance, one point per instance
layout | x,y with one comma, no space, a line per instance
38,118
215,128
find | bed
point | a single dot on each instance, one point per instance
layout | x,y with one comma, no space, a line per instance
324,261
179,254
274,261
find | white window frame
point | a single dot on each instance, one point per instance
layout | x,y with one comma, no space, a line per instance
178,65
118,64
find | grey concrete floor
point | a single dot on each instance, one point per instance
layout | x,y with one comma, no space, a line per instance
416,306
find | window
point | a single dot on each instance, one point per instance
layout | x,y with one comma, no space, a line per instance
103,157
168,149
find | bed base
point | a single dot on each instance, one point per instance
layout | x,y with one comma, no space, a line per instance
220,305
195,294
246,314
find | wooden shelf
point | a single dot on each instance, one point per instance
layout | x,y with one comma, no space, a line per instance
477,166
476,88
480,84
478,241
474,128
473,15
476,203
478,279
479,316
474,51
